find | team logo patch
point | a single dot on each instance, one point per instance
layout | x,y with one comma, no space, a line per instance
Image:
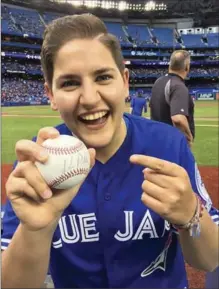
201,189
160,262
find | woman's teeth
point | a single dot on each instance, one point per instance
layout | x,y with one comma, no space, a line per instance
94,116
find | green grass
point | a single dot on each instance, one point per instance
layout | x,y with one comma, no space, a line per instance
205,148
207,109
207,122
30,110
15,128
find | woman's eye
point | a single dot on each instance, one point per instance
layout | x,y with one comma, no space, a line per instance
104,77
68,83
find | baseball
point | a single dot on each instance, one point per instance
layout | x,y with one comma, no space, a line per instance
68,163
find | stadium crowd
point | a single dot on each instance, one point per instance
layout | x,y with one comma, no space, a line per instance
16,66
142,72
139,72
19,90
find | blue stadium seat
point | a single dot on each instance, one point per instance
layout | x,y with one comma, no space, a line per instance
116,29
193,40
140,34
213,39
165,36
28,20
48,17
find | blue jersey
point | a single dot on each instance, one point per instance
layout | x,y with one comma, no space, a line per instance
138,104
212,279
106,237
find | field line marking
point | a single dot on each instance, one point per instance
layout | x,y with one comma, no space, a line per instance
30,116
56,116
207,125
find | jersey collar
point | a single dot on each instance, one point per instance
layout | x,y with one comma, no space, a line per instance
120,159
174,74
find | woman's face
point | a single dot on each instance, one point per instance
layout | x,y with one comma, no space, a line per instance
89,91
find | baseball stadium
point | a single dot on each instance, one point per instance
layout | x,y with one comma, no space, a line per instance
148,32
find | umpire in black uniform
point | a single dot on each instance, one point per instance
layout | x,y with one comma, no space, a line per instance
170,101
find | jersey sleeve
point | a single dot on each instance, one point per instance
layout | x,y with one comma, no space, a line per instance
179,100
189,164
10,223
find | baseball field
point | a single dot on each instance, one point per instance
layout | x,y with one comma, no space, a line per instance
24,123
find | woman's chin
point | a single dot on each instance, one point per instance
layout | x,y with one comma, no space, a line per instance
97,141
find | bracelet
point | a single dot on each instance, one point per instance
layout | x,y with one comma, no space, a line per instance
193,226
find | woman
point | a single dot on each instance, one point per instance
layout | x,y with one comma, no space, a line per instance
116,229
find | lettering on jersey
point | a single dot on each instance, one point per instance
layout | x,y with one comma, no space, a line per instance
69,234
69,229
86,228
160,261
201,189
146,227
127,235
82,228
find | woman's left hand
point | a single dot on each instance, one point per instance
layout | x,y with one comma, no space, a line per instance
166,189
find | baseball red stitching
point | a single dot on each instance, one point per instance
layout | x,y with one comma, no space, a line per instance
75,172
63,150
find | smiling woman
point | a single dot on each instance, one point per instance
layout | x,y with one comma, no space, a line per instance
118,228
89,93
92,88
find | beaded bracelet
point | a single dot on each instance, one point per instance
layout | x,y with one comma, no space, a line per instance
193,226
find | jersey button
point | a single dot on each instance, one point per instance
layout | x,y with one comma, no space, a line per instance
107,197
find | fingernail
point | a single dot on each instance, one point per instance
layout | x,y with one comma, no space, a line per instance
145,170
43,154
47,194
53,133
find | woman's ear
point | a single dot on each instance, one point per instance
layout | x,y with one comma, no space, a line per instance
126,81
50,96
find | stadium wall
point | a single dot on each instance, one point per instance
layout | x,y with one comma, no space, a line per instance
205,94
197,94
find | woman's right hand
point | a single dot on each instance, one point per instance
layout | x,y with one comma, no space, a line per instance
34,203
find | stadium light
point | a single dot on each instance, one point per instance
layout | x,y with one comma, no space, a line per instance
77,3
106,5
161,6
91,4
113,5
151,5
122,5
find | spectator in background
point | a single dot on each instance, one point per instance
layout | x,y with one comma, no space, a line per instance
138,104
170,101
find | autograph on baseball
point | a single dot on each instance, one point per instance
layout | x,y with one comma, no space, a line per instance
78,160
59,170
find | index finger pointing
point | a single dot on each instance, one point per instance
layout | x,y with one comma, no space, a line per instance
158,165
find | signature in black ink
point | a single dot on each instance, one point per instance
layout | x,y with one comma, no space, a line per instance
79,160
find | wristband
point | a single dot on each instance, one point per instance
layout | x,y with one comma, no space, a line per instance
193,226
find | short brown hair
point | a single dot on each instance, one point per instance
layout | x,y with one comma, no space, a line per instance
83,26
179,60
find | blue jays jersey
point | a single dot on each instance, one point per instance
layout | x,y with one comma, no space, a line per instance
138,104
106,237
